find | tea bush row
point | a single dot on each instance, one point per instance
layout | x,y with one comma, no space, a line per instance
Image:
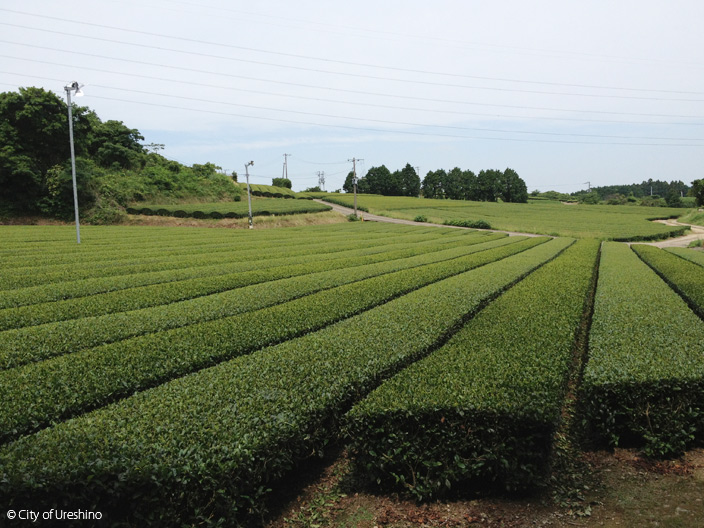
644,382
38,394
35,343
211,265
203,449
162,293
685,277
482,410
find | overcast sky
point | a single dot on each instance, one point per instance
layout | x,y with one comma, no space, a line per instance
565,92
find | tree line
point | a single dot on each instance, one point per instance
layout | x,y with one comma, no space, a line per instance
457,184
113,167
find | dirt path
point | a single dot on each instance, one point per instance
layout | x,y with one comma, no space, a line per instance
377,218
684,241
697,231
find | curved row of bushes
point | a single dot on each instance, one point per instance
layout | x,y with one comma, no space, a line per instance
216,215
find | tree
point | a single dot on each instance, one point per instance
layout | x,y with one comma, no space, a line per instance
469,190
380,181
489,185
33,139
513,188
432,186
409,181
697,191
313,189
112,144
453,184
281,182
348,186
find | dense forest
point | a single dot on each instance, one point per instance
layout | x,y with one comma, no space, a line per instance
113,168
457,184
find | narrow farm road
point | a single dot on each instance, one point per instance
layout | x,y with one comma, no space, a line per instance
377,218
696,234
697,231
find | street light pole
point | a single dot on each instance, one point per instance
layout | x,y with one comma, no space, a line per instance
73,87
249,194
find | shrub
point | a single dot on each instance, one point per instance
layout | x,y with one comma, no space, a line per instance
644,380
483,409
203,448
472,224
420,218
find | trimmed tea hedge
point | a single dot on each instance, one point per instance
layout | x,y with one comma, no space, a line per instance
35,343
483,409
203,448
220,264
166,292
37,394
221,210
473,224
692,255
644,381
686,278
95,260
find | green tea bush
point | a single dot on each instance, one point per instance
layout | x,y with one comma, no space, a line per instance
204,448
472,224
685,277
481,412
644,381
67,385
257,289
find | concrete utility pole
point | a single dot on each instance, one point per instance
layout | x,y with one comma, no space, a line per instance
73,87
589,186
354,181
249,194
284,174
321,180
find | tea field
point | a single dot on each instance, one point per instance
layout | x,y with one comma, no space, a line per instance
238,209
175,376
605,222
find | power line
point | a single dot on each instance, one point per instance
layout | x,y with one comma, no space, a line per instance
349,103
343,90
375,33
403,132
402,123
349,74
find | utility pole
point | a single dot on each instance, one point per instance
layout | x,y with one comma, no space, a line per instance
354,181
321,180
73,87
249,194
284,174
589,186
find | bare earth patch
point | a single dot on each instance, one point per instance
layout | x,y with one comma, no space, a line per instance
624,490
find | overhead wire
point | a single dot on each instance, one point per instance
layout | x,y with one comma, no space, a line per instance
309,57
395,131
342,90
402,123
351,74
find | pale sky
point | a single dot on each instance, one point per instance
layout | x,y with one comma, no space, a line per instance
564,92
